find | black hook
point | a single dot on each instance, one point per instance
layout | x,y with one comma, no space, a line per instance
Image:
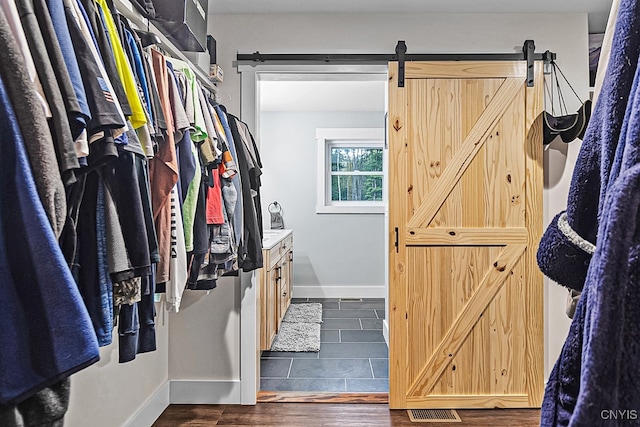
148,38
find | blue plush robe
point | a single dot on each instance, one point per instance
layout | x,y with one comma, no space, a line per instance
596,380
558,257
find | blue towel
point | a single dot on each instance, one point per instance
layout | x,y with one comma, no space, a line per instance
596,376
46,331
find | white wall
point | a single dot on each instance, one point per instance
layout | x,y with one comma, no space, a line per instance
197,351
205,346
565,34
333,252
108,393
196,346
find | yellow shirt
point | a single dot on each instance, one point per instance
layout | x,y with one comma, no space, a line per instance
138,117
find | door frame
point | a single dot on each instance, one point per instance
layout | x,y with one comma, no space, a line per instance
250,75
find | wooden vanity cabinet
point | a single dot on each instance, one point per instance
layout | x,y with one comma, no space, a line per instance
276,286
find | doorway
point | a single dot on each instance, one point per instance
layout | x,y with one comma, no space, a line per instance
353,356
338,228
532,293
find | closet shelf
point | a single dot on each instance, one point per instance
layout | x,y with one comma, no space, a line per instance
129,11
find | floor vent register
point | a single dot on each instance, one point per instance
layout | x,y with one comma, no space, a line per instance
433,416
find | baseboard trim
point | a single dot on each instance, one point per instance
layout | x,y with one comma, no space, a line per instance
205,392
339,291
317,397
151,410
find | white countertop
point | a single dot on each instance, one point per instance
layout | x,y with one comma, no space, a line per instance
273,237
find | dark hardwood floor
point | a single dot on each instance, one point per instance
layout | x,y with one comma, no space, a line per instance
329,415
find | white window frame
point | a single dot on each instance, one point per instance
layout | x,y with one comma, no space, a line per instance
345,137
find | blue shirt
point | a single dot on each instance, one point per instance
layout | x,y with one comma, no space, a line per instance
46,331
61,28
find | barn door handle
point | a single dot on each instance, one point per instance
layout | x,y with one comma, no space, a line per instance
396,243
386,139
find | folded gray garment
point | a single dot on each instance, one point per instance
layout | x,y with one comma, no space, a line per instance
45,409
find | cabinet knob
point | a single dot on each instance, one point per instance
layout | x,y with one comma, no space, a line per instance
284,294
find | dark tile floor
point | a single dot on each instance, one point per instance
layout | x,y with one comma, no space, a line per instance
353,356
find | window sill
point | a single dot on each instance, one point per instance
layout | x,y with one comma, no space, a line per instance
349,209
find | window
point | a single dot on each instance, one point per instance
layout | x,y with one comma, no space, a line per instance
356,173
350,172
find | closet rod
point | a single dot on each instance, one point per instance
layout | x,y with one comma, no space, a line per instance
127,9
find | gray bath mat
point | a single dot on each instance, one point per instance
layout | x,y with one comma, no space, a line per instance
304,313
297,337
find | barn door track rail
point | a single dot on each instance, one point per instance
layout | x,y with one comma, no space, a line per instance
401,56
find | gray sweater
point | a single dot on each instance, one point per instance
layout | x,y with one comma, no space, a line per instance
34,128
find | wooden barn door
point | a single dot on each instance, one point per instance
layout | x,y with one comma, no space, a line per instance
465,194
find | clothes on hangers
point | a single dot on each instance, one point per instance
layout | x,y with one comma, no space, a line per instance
123,181
33,126
47,333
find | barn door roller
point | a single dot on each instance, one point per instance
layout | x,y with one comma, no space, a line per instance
528,49
528,54
401,49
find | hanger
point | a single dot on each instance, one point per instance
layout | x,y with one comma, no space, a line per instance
148,38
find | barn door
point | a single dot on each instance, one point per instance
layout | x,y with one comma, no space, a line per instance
465,214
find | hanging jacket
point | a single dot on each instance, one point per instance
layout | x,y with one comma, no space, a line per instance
47,334
34,128
250,252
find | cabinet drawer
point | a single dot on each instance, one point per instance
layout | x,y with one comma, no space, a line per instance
284,290
284,298
272,256
286,244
